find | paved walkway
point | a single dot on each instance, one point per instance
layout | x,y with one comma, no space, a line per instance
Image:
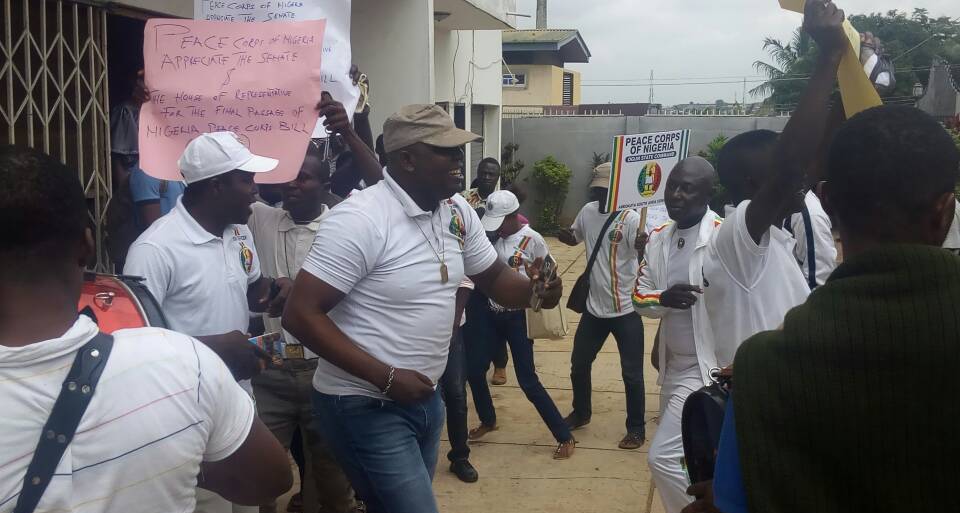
517,473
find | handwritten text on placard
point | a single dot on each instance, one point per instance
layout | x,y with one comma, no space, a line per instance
257,80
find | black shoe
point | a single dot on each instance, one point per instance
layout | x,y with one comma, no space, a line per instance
464,471
574,421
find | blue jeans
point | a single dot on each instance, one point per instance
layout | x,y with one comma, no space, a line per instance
481,349
388,450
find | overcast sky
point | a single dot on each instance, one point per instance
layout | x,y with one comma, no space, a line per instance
685,39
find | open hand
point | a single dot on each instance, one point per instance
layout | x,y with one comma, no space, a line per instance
409,386
823,20
680,296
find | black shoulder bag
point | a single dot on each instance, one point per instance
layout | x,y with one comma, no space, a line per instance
75,396
581,290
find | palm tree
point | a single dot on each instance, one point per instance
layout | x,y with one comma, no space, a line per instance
792,60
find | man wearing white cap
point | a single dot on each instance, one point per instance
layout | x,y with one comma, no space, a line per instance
518,247
612,237
200,262
375,300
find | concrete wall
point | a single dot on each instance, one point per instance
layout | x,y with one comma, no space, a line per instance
572,140
393,42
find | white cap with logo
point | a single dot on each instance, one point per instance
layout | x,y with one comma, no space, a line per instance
216,153
500,204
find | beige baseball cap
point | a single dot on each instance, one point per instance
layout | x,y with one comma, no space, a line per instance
428,124
601,175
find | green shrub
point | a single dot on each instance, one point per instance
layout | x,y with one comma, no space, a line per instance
551,178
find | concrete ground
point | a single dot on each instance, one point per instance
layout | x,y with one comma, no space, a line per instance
517,473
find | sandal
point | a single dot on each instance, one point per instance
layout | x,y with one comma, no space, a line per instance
565,449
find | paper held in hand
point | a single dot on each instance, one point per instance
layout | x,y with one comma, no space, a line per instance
641,165
337,58
256,80
856,90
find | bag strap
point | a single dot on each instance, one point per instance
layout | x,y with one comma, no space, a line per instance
596,247
75,395
811,249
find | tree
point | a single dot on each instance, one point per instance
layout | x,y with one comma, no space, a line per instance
792,60
720,196
911,41
552,180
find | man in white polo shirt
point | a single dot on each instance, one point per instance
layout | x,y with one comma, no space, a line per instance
609,308
375,299
200,262
165,409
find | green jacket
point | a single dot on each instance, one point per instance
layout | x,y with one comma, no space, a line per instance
853,406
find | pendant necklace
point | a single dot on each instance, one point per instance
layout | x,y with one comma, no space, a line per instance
681,243
441,255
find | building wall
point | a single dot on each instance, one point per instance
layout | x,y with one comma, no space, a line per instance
544,86
393,43
573,140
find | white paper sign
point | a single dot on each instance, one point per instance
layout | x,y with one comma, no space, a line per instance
641,165
337,59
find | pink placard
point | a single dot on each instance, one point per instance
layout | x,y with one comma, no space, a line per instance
259,80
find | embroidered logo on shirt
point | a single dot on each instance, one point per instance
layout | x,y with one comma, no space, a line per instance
246,257
457,228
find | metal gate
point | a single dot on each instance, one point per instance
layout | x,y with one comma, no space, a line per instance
53,92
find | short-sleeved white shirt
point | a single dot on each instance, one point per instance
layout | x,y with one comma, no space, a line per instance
200,280
282,246
518,251
748,287
824,247
164,404
380,249
615,271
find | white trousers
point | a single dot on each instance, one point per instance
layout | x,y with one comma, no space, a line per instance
666,449
209,502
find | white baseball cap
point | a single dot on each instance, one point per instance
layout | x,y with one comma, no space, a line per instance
216,153
500,204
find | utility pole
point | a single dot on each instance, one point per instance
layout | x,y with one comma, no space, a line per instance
650,99
541,14
744,107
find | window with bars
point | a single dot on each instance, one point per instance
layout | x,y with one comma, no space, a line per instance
568,88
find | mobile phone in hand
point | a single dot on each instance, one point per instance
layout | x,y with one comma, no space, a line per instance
547,273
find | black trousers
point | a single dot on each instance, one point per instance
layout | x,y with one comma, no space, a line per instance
453,385
591,334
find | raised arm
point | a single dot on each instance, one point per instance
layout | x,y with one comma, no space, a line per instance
796,147
336,121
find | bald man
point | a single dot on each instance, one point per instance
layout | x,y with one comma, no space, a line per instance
669,288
